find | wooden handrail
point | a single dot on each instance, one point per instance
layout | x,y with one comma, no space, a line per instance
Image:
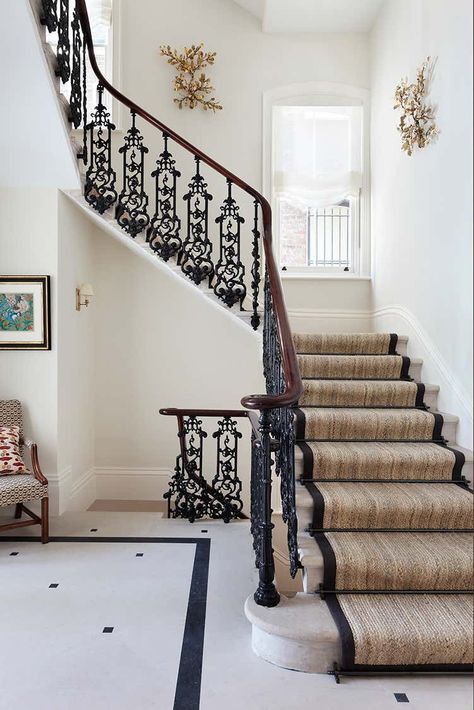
292,378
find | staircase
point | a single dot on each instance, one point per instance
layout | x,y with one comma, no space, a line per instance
385,515
382,502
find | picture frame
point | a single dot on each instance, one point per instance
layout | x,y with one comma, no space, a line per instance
25,313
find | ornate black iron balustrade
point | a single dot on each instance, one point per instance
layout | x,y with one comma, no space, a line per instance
191,495
63,50
75,101
99,187
229,283
164,231
273,437
195,255
49,14
131,210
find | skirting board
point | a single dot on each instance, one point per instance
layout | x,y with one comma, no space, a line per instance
121,483
452,396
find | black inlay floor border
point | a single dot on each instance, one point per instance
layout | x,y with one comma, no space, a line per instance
188,684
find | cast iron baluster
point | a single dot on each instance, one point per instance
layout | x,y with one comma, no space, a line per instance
229,272
131,210
266,594
75,102
226,483
256,499
195,256
83,155
163,232
191,499
49,14
282,427
255,320
99,188
63,66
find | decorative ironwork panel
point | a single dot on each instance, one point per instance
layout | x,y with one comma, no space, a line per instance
64,48
255,285
187,486
195,255
226,485
83,156
75,101
99,188
229,283
131,210
164,231
49,14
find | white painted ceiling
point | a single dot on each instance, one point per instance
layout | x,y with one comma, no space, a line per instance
34,147
314,15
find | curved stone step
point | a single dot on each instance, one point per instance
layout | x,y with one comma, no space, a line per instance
301,634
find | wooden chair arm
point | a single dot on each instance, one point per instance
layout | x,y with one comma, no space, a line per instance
38,474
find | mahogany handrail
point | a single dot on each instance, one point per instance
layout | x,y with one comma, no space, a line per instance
292,379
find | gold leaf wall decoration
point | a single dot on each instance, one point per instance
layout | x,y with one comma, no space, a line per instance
417,125
190,81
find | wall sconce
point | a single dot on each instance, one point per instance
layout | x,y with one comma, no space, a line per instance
84,294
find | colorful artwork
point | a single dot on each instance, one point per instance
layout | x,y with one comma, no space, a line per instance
16,311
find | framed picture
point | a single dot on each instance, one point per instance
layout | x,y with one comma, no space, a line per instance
25,320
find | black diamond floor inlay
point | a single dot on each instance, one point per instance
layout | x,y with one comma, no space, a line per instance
107,629
55,585
139,554
204,531
13,554
93,529
401,698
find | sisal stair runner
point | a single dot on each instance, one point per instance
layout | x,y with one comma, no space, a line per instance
396,540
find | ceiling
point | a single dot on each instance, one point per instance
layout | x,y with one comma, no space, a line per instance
313,15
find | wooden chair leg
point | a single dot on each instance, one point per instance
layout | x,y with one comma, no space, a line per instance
45,520
18,510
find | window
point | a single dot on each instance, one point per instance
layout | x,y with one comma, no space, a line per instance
100,16
316,182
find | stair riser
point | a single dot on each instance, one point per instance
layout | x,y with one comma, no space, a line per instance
289,653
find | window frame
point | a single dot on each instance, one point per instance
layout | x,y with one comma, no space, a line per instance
322,94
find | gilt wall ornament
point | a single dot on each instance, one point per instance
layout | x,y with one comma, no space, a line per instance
191,83
417,125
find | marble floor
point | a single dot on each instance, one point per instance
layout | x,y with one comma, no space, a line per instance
114,631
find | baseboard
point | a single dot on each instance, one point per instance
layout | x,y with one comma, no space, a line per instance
122,483
452,397
83,492
59,488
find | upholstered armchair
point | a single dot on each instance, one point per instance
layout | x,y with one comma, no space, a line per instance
20,488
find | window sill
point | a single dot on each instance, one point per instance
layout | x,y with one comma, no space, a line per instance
286,276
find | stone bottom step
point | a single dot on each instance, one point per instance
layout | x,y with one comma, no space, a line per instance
299,634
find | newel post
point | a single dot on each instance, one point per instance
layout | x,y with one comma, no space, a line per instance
266,593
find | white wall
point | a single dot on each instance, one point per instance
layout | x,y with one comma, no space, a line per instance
28,245
158,345
42,157
422,204
76,367
249,63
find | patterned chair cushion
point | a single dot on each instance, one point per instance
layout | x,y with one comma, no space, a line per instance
10,459
20,489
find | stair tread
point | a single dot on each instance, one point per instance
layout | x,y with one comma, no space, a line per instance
409,505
